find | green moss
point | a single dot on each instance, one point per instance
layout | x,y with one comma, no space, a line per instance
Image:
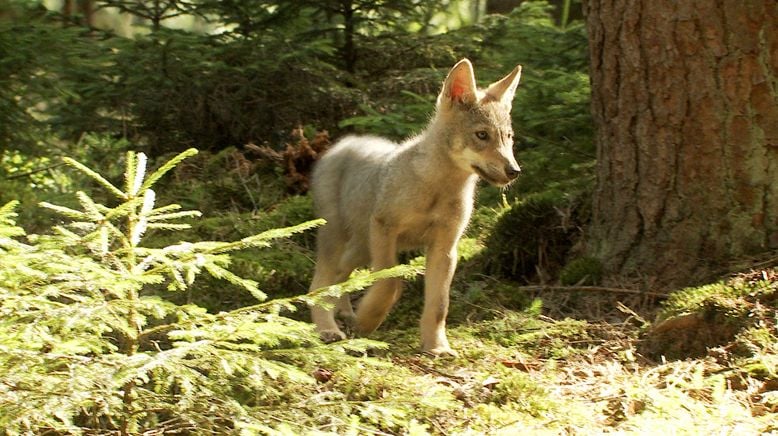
531,234
733,298
525,331
581,271
519,390
731,314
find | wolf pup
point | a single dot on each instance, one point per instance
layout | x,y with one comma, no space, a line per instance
379,197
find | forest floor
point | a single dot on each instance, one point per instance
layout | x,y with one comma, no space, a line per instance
585,363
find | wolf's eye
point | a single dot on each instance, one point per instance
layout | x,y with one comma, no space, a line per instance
483,135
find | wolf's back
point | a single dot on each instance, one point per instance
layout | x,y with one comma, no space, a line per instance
346,180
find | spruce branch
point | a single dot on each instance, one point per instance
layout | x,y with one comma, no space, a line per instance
173,215
168,226
122,209
129,173
359,280
263,239
97,177
83,295
249,285
161,171
138,173
7,213
66,211
8,228
165,209
91,208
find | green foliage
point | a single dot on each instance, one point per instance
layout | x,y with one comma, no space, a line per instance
222,182
399,119
758,349
154,11
553,99
85,346
24,54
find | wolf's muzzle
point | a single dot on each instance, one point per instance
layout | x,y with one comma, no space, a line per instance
512,172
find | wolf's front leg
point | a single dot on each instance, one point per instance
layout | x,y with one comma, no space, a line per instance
380,298
441,263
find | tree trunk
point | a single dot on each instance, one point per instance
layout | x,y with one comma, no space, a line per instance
501,6
85,8
685,105
349,51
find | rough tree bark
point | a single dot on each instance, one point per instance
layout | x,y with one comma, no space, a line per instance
685,105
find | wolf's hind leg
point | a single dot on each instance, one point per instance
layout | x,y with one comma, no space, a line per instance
324,318
346,310
380,298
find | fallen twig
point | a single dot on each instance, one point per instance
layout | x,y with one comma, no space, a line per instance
589,289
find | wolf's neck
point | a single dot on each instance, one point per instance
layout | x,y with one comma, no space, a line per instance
431,160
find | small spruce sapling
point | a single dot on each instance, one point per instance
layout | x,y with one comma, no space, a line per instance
85,344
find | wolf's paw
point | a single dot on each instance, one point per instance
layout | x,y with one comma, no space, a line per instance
328,336
365,326
442,351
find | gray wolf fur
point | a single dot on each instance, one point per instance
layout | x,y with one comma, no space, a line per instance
379,198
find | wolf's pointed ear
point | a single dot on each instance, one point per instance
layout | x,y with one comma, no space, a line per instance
459,86
504,89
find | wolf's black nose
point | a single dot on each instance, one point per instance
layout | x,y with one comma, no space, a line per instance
512,172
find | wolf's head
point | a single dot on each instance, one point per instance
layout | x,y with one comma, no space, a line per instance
478,123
